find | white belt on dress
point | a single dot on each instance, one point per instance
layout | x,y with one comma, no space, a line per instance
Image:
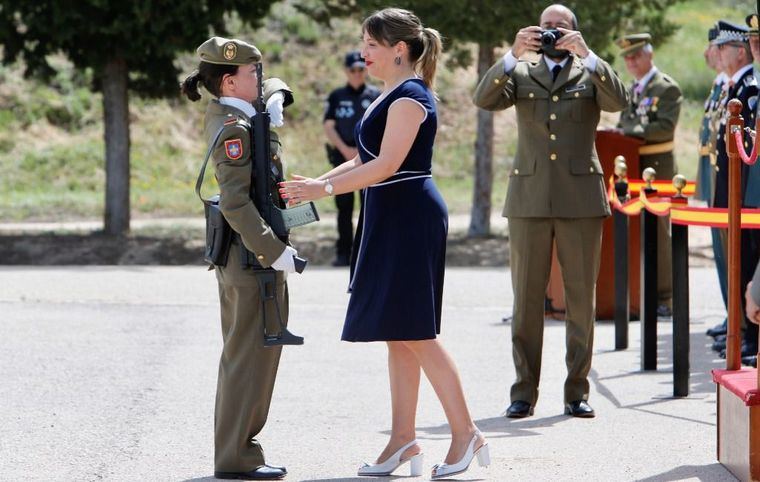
401,176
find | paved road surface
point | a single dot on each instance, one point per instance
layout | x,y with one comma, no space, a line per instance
109,373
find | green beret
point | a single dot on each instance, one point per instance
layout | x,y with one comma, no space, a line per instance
632,43
220,50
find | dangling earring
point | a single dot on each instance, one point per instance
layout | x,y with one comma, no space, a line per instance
398,60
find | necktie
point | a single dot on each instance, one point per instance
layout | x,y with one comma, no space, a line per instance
555,71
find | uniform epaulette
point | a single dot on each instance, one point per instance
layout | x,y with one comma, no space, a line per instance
236,120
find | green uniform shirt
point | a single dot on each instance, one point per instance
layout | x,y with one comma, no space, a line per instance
556,171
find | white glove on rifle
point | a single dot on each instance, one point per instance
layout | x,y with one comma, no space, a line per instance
275,106
285,261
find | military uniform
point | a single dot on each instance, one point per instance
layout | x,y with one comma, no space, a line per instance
652,116
743,86
556,193
247,368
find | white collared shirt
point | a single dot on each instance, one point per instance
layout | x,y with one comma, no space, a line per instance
240,104
642,83
739,73
510,62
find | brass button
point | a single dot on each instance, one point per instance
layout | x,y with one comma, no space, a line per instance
591,169
553,117
260,257
495,81
517,171
552,137
577,94
555,98
604,78
553,157
275,157
531,95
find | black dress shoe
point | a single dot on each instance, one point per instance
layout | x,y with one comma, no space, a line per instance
721,338
719,329
579,408
664,311
519,409
719,345
262,472
750,361
746,350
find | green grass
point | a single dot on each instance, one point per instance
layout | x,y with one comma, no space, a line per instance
51,147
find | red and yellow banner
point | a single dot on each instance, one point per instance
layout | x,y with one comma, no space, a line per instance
679,212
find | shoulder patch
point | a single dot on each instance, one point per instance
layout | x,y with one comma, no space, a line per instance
233,148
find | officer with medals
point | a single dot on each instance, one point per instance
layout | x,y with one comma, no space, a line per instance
708,138
247,367
736,59
556,192
652,116
343,110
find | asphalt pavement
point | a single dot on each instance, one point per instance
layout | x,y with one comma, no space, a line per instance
109,373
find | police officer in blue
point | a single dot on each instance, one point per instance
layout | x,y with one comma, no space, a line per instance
736,59
345,107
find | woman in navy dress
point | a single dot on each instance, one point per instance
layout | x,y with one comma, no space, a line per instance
397,268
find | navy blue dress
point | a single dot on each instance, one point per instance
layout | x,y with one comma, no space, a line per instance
400,245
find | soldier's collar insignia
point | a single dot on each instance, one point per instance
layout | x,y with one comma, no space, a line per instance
230,50
234,149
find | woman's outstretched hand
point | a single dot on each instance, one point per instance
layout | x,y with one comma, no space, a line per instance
302,189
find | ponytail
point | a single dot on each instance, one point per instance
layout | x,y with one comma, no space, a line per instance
189,86
432,46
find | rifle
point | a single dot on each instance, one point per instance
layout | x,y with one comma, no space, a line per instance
281,220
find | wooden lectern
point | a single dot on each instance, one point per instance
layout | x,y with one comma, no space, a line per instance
608,146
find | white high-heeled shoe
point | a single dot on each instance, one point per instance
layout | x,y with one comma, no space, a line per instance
393,462
442,471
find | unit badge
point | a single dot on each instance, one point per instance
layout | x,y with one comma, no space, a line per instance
230,50
234,149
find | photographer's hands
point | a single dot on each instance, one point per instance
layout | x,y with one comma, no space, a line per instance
572,41
527,39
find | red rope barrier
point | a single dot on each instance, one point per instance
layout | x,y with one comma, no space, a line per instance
752,158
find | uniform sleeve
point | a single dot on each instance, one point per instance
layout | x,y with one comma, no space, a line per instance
330,105
668,111
276,85
496,90
611,93
232,161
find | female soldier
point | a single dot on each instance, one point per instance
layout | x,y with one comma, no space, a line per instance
397,272
247,368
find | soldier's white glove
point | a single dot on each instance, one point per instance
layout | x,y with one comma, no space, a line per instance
275,106
285,261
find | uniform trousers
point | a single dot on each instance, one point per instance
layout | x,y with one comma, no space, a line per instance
578,242
247,369
750,254
345,205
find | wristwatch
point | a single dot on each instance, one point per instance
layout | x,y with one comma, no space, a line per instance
328,187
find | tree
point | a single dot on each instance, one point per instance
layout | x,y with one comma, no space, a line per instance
490,23
129,46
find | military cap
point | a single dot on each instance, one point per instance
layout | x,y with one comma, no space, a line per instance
354,59
729,32
220,50
712,34
632,43
752,23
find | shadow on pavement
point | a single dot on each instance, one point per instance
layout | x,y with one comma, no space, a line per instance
700,472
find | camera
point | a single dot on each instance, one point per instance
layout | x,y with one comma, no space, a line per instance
549,40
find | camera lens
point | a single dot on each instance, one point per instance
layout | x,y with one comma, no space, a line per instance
548,38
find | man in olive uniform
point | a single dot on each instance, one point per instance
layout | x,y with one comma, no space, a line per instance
556,193
247,368
652,116
736,58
